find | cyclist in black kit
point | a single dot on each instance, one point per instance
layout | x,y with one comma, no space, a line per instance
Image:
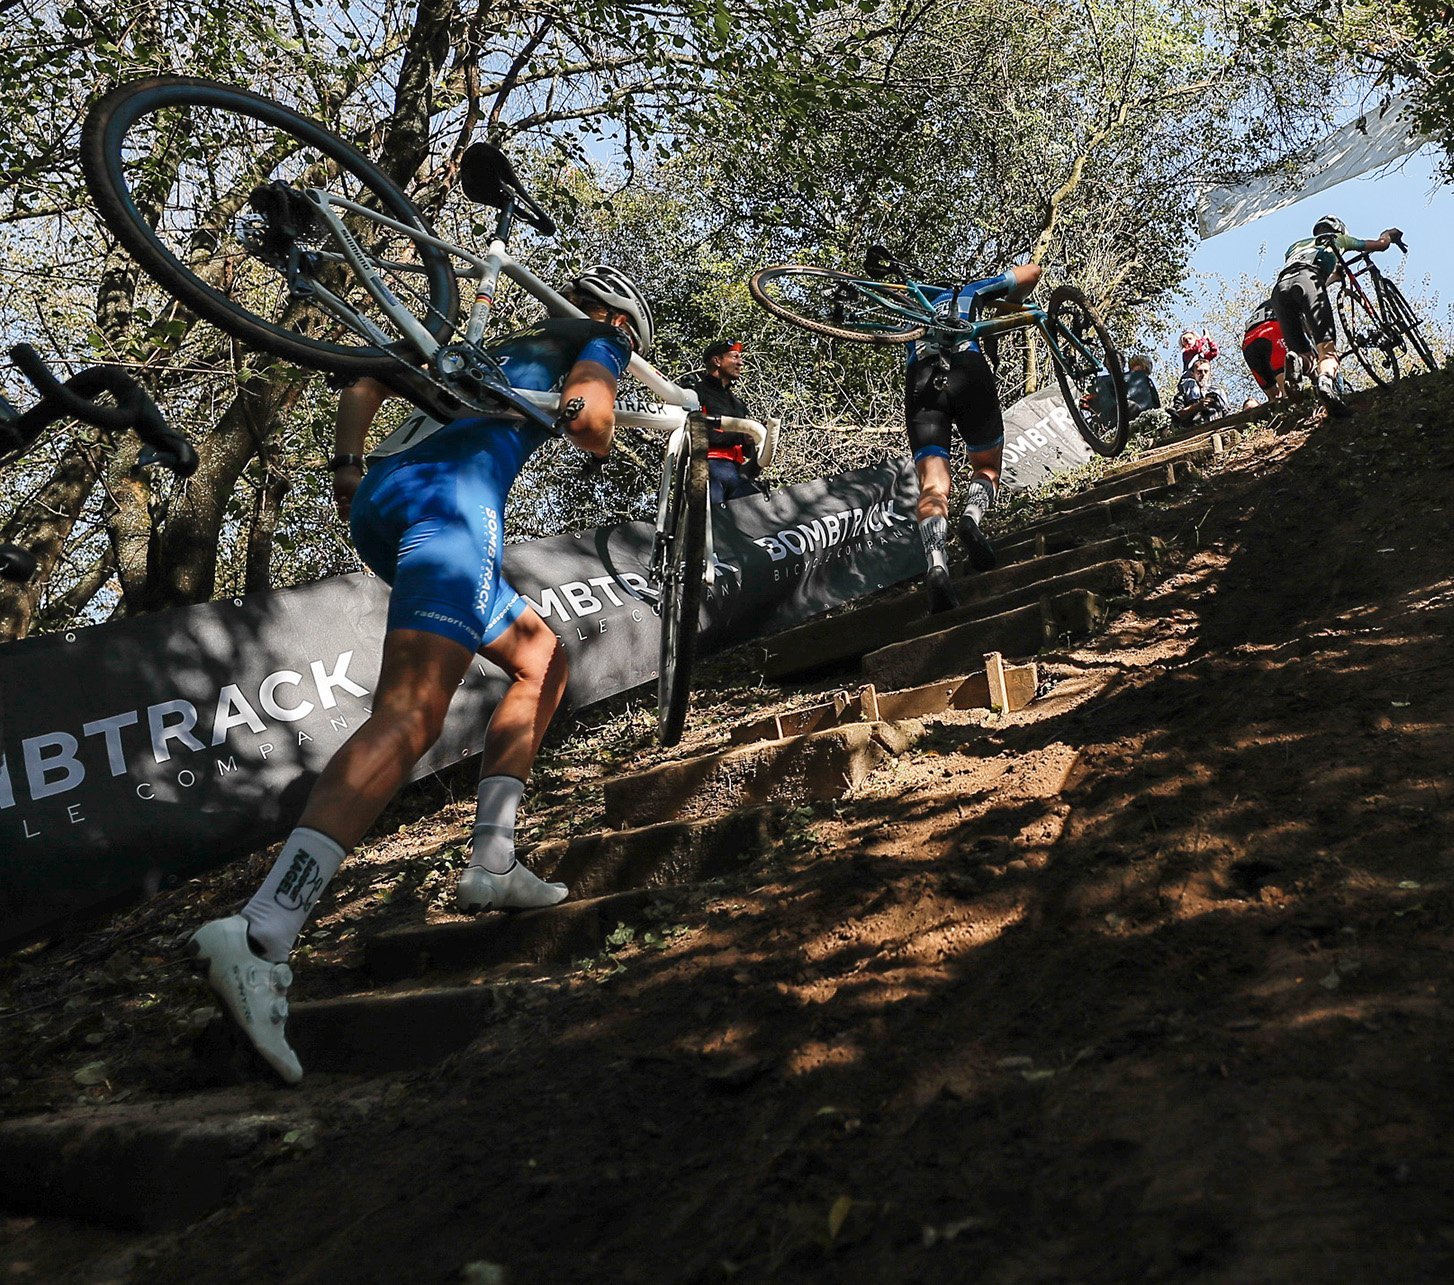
954,389
1302,307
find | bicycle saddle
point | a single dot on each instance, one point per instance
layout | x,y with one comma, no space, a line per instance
487,177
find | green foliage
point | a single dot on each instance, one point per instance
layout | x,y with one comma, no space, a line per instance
689,142
1397,46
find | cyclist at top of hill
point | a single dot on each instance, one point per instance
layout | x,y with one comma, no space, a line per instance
1302,307
429,519
949,383
1265,351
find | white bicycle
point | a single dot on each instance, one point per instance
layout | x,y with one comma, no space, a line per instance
292,241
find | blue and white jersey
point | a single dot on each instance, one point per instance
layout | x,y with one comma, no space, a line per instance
537,360
955,302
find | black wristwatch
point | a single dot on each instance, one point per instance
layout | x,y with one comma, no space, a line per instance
340,460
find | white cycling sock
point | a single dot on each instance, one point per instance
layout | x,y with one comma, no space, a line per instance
933,532
279,909
979,498
492,846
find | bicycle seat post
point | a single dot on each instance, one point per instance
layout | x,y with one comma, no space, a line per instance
489,280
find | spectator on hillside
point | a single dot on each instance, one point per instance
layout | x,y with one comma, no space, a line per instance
731,457
1141,394
1195,345
1196,400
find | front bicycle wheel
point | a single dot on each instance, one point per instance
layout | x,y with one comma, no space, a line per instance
1400,313
1088,369
1372,344
843,307
684,569
173,162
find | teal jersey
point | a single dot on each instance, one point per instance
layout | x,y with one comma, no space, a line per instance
1318,254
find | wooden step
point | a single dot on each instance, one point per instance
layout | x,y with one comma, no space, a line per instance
800,769
1021,632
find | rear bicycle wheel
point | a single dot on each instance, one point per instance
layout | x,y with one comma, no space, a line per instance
1370,342
684,568
1089,371
1400,313
172,162
840,306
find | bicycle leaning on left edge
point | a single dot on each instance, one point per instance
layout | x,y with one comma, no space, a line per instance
294,242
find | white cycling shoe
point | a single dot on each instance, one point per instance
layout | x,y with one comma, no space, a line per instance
516,889
254,992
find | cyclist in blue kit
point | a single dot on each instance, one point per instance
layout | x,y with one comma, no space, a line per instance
429,519
950,384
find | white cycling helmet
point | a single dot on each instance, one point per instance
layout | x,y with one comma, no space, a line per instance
1329,225
620,293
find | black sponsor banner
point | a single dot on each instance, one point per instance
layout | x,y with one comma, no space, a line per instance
138,752
1041,440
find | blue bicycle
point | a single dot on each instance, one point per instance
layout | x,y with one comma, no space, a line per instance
872,309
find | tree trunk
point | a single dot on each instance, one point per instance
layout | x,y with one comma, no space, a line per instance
60,611
266,508
184,564
43,526
406,143
129,523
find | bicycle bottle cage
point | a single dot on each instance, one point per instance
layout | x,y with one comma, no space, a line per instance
487,178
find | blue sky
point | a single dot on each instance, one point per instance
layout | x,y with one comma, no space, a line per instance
1406,195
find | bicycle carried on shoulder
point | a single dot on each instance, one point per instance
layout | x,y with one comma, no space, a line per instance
291,240
869,309
1379,324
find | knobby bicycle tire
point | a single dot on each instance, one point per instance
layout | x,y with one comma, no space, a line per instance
103,139
1113,445
1353,307
758,286
1400,313
681,593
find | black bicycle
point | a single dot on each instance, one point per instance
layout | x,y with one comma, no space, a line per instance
133,411
1383,332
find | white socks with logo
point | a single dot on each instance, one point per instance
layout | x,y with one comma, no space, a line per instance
279,909
934,532
492,846
979,496
494,880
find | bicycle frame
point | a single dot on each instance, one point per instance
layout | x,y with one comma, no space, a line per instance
1354,267
1027,316
485,274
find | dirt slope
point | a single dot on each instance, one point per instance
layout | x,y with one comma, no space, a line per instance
1151,980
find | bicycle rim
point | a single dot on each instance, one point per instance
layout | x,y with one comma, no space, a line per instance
1400,313
1361,327
681,593
843,307
1089,371
171,162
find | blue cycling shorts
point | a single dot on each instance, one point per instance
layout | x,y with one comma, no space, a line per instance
431,523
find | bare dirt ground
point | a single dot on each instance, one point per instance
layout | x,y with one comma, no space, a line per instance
1149,981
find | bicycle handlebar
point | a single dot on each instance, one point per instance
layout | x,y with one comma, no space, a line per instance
75,399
